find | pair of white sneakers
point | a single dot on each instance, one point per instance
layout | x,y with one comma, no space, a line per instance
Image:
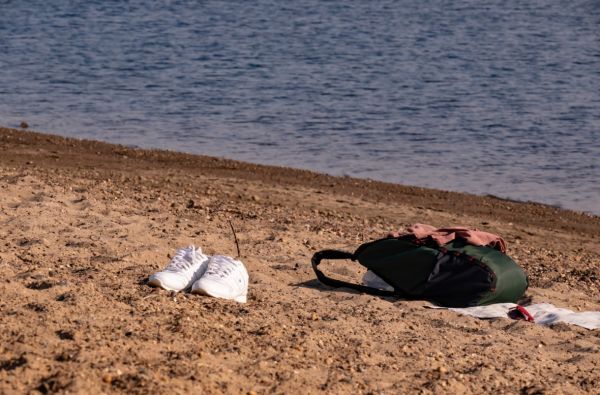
218,275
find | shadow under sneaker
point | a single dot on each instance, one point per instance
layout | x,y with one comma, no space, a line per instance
187,266
225,278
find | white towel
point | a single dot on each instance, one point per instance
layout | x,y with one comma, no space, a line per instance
543,314
372,280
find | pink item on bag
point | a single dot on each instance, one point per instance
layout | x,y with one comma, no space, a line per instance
444,235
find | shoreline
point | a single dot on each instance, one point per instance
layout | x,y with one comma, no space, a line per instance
496,195
379,191
84,223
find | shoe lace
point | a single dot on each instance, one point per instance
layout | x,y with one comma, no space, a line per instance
181,261
221,271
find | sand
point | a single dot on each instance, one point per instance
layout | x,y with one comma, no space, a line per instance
83,224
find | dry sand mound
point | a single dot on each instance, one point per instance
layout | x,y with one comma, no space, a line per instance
82,225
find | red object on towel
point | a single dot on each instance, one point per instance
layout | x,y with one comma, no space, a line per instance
444,235
520,313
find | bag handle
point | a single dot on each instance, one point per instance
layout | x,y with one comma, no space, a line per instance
337,254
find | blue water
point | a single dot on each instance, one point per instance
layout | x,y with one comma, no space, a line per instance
487,97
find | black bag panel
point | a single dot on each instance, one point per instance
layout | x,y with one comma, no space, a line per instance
455,281
406,270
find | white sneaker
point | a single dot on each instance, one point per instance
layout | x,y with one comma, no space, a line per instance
225,278
187,266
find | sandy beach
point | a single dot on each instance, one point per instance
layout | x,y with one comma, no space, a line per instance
83,224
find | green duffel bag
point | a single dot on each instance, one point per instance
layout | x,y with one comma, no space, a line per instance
453,275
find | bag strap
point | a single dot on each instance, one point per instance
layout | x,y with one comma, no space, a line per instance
337,254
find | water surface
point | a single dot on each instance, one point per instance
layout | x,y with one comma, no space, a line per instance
485,97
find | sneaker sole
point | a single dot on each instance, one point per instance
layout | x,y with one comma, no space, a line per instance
157,283
240,298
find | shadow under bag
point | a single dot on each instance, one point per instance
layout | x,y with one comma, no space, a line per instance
454,275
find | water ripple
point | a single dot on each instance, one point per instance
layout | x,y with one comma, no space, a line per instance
484,97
